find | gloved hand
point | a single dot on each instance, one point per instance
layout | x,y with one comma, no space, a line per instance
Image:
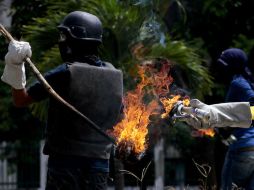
14,71
234,114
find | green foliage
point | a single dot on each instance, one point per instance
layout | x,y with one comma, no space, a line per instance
218,23
216,8
243,42
4,47
190,63
122,22
24,12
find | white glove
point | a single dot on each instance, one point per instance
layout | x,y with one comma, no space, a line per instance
14,70
233,114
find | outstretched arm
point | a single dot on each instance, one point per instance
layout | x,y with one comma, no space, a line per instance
233,114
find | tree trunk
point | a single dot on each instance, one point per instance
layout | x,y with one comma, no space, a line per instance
159,164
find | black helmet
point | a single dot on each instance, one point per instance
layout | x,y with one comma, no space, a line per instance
82,26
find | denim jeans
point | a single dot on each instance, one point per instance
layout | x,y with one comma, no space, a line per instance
238,169
75,179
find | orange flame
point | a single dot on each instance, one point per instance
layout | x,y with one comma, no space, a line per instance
186,101
208,132
169,104
201,132
133,127
155,82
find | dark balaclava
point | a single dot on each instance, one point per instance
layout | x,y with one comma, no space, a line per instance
233,61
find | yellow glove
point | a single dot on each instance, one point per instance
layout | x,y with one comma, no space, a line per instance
252,112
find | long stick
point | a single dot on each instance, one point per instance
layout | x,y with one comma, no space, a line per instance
52,92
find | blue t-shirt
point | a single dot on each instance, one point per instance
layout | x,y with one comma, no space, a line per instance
240,91
58,78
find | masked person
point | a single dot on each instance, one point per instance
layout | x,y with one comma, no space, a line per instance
238,166
78,155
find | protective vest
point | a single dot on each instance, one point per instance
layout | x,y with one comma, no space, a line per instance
97,93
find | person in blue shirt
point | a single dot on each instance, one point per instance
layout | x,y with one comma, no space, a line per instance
238,168
78,155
